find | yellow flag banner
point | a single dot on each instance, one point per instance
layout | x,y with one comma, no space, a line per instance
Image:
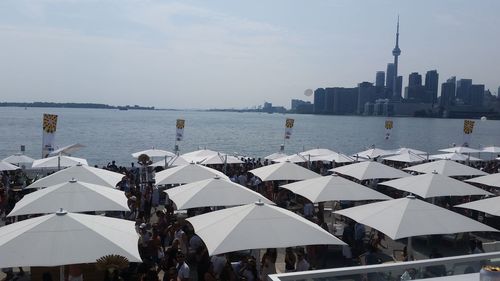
468,126
179,133
288,128
49,126
388,128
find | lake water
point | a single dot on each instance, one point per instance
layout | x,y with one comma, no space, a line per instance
114,134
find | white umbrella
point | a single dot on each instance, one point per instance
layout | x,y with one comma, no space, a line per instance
221,159
370,170
66,238
460,149
18,159
175,161
154,153
406,217
372,153
454,156
80,173
318,152
186,174
58,162
199,155
446,167
283,171
406,157
434,185
294,158
5,166
490,180
488,205
409,150
491,149
275,156
213,192
333,188
73,196
257,226
336,157
67,150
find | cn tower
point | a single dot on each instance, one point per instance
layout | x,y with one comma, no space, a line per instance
396,52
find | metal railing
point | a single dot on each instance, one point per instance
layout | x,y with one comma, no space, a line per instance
420,269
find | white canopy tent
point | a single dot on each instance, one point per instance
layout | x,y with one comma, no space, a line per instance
434,185
283,171
72,196
333,188
213,192
370,170
446,167
80,173
257,226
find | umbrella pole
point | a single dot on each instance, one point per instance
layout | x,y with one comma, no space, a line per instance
409,249
61,273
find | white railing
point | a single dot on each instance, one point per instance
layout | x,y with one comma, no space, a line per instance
421,269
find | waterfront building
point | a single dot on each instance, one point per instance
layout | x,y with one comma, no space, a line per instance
300,106
447,93
477,95
380,79
319,101
366,93
389,81
431,86
415,92
341,101
463,92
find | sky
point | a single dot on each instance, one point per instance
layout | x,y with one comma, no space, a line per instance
199,54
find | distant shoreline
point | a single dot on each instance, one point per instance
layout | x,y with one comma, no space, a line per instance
74,105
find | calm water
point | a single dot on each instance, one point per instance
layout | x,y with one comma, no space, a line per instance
114,135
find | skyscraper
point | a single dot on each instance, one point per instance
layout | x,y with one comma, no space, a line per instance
380,79
464,90
319,101
415,91
477,95
396,52
431,86
447,94
389,81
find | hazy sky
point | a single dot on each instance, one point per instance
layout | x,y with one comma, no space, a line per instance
226,53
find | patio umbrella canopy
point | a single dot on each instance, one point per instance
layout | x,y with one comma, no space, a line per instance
372,153
66,238
454,156
460,149
283,171
81,173
318,152
447,168
154,153
5,166
434,185
67,150
489,205
407,217
333,188
406,157
294,158
18,158
198,156
491,149
221,159
72,196
369,170
257,226
175,161
186,174
490,180
403,150
213,192
275,156
58,161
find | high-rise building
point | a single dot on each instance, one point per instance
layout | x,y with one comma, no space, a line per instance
319,101
389,81
447,94
396,95
414,79
415,91
464,91
431,86
366,93
477,95
380,79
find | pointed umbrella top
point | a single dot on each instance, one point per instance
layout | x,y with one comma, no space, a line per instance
434,185
407,217
490,180
227,230
186,174
67,150
370,170
283,171
454,156
5,166
18,158
446,167
154,153
333,187
460,149
58,161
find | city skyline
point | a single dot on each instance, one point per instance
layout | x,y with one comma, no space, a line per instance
221,54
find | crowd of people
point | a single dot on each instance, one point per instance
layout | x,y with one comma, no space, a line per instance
170,249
